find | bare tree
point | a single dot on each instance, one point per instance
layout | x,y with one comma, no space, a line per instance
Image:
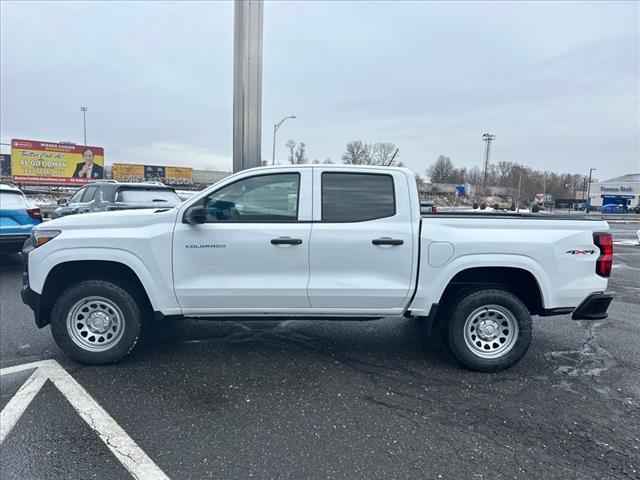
357,153
291,145
382,153
300,156
474,175
505,169
442,171
328,161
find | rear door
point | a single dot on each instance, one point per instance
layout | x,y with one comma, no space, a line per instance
361,253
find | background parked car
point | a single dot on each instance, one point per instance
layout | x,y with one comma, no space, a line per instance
17,218
112,195
612,208
428,206
637,209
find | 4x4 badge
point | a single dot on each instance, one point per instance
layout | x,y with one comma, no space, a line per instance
581,252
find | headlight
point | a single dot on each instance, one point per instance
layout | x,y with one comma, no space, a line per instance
40,237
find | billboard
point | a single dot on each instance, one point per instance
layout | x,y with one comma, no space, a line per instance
49,163
128,172
542,198
178,175
5,165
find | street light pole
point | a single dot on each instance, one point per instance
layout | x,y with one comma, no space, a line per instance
84,123
589,190
275,129
487,137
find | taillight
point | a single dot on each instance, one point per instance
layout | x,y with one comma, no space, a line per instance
434,209
35,213
604,241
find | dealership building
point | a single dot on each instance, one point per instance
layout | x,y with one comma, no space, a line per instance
623,190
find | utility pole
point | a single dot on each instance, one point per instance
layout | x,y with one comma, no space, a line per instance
247,84
519,186
275,129
488,138
589,190
84,123
544,188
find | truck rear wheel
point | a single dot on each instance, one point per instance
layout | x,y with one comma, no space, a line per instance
96,322
488,330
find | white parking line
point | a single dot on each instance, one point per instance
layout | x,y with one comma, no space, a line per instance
114,437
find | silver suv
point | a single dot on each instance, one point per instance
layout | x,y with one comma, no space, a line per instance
111,195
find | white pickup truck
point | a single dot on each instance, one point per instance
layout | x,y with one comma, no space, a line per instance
314,242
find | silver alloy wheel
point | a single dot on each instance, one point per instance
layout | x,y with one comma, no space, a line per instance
95,324
491,331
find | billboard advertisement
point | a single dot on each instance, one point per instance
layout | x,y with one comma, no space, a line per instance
178,175
128,172
5,165
48,163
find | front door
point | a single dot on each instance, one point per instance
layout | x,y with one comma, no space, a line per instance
251,256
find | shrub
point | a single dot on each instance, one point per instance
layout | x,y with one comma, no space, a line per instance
513,207
535,208
475,205
483,206
496,206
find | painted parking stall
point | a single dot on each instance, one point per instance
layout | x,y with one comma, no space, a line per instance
204,399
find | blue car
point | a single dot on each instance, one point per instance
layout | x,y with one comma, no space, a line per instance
613,208
17,218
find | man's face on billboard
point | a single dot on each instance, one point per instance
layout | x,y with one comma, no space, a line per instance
88,157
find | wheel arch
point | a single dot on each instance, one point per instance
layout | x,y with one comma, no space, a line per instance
64,274
519,281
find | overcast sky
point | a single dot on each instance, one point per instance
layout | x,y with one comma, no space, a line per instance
557,83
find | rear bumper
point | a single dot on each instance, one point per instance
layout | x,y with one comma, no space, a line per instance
594,307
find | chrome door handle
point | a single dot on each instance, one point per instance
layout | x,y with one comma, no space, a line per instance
286,241
387,241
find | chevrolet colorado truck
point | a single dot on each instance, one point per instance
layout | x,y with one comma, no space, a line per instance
314,242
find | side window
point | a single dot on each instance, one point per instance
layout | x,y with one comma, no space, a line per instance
89,194
265,198
78,196
357,197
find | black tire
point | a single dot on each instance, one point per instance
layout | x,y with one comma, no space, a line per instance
129,327
497,307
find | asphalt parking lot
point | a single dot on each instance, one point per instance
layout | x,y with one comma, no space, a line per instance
349,400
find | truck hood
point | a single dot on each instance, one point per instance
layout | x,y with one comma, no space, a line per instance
114,219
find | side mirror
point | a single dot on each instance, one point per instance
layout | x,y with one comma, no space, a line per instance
194,215
62,202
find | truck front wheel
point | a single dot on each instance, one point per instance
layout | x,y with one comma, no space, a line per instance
96,322
488,330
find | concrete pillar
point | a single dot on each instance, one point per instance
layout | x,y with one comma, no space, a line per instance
247,84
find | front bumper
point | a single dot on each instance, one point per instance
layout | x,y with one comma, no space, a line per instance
594,307
29,297
12,243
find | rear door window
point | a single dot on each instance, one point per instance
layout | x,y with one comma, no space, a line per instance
357,197
10,200
159,197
